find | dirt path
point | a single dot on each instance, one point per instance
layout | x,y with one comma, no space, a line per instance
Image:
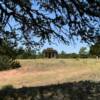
20,78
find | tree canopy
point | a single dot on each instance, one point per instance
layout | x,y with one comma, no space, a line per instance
83,51
23,20
95,49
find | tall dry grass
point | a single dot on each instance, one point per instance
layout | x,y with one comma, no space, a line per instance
36,72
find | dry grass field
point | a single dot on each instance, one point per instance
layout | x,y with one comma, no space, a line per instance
39,72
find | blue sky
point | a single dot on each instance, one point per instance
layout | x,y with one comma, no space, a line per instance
71,48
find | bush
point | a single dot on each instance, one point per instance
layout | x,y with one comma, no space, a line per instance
6,87
84,56
7,63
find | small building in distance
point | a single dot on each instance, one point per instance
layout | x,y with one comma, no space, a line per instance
50,53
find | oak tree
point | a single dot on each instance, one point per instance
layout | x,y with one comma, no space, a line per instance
26,20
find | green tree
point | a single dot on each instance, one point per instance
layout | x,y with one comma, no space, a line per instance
22,21
36,18
73,55
40,55
95,49
7,56
26,53
62,55
83,52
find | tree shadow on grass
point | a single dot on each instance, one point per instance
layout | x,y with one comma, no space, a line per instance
83,90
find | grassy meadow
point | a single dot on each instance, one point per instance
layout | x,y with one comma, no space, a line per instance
38,72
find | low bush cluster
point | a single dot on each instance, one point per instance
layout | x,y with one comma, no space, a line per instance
7,63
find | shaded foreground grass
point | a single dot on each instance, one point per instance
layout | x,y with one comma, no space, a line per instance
41,72
70,91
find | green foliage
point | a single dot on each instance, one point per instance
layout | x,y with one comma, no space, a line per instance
8,55
83,53
34,19
39,55
8,49
7,63
26,54
95,49
6,87
62,55
74,55
70,55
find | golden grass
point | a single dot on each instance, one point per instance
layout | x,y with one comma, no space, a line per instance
38,72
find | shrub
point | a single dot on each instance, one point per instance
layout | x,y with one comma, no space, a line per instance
6,87
8,63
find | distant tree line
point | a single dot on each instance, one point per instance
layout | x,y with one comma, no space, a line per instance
83,53
94,52
8,54
21,21
26,53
